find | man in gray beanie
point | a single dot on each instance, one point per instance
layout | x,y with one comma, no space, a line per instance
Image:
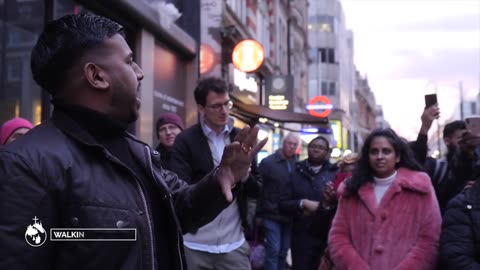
168,126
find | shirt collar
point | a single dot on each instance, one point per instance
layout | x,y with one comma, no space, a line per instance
207,130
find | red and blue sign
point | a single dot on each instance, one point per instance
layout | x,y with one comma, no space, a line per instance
319,106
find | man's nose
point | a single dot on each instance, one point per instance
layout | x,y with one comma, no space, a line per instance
139,72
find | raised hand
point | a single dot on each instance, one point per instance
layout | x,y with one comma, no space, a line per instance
429,114
310,207
328,195
237,158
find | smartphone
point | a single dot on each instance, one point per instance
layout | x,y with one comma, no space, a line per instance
430,100
473,124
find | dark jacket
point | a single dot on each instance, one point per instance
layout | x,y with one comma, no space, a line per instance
275,174
192,160
459,172
306,184
309,233
165,157
460,238
61,175
420,148
448,175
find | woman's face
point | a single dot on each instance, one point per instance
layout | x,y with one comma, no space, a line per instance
382,157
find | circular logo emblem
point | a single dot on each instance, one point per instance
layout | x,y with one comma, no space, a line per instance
315,104
35,235
248,55
278,83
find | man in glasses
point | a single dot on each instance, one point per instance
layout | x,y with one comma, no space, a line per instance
221,243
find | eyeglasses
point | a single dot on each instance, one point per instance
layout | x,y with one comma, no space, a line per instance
218,107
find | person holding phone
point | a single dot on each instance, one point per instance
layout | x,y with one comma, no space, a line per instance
387,189
430,113
448,174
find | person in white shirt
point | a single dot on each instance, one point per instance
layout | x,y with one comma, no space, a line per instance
220,244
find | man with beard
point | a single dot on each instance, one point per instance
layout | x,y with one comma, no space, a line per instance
453,171
82,169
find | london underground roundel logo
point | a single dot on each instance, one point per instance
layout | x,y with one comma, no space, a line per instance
319,106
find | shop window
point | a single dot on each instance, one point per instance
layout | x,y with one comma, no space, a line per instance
14,70
312,88
321,23
324,88
332,89
313,54
329,88
327,55
21,23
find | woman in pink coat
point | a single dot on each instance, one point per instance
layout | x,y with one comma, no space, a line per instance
388,216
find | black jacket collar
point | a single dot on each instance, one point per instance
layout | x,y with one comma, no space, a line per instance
80,132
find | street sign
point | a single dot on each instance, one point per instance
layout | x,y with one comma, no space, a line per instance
319,103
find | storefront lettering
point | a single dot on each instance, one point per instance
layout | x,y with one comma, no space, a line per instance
241,80
277,102
168,98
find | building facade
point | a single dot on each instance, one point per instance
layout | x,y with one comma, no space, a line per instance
365,111
170,55
331,69
166,54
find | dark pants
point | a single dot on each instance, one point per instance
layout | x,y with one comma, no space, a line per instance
306,251
277,243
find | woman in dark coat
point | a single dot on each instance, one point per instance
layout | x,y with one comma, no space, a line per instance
304,200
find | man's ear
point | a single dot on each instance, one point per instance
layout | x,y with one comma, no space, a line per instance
96,76
200,108
446,140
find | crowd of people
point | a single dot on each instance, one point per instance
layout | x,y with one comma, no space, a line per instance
390,206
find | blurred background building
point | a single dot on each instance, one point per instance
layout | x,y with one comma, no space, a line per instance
308,53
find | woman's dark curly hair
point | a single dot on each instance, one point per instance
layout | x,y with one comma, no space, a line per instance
363,173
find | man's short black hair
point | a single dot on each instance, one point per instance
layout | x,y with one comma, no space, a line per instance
207,85
63,42
450,128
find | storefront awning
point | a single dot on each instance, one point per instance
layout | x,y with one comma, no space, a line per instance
254,112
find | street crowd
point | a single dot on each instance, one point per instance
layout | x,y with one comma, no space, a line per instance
200,199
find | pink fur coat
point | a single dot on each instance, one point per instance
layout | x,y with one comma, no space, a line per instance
400,233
